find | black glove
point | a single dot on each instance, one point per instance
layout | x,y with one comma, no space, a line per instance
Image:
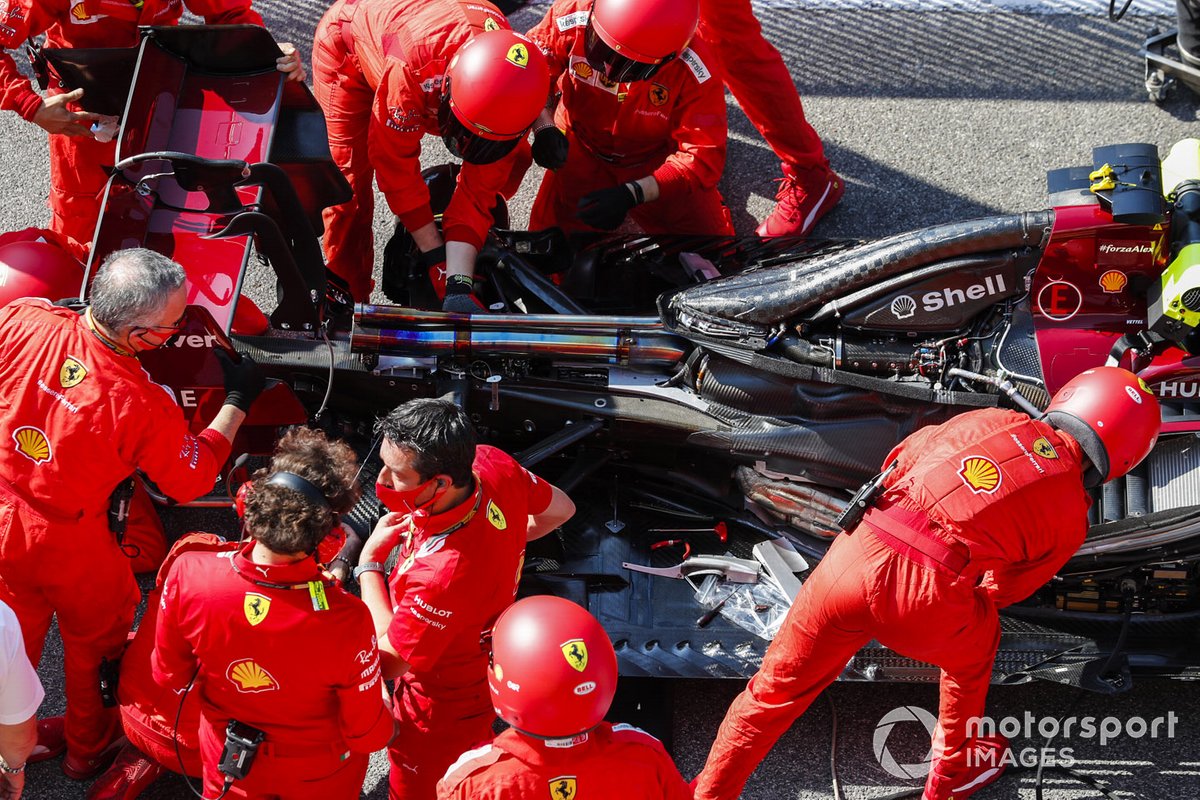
244,381
459,299
550,147
606,209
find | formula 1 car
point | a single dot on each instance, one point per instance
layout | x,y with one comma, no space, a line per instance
697,397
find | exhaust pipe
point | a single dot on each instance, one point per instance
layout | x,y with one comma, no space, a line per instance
406,332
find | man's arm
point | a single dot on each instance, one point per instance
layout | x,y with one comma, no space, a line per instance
374,590
561,509
16,743
700,136
20,695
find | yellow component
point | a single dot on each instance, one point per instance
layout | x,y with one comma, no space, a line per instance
1181,164
1182,277
1103,185
1104,172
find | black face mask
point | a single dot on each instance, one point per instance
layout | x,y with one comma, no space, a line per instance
464,143
613,65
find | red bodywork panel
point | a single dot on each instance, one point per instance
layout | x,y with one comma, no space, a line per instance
172,108
1090,288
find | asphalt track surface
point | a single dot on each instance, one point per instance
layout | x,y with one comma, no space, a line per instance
930,116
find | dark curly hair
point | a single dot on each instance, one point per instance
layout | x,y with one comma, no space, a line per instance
285,521
439,435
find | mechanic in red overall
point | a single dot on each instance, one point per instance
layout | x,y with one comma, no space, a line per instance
976,515
77,159
461,515
269,642
553,675
163,736
640,128
756,75
388,72
78,415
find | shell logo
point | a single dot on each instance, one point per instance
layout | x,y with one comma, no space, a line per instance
980,474
79,12
582,69
903,307
1113,281
33,444
247,676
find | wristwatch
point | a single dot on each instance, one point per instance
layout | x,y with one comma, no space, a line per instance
370,566
7,770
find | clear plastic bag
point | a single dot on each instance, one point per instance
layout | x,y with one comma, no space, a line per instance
757,607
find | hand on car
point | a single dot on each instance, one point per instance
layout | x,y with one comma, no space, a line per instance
54,117
290,63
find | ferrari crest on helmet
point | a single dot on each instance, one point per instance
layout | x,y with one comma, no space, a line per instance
981,474
518,55
255,606
563,787
71,373
575,651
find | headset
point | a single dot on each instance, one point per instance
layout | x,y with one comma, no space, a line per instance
293,482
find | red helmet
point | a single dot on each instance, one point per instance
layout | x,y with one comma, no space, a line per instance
1112,414
553,672
494,89
38,269
629,40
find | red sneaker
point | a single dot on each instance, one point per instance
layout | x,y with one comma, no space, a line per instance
129,776
80,769
805,195
51,739
987,758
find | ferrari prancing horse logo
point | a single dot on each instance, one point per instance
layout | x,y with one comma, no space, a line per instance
496,516
71,373
518,55
575,651
255,606
563,787
1043,448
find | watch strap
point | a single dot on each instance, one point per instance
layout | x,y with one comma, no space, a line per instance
370,566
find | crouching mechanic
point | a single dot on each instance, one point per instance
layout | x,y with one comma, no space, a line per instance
640,128
274,650
461,515
387,72
974,515
78,170
78,415
553,675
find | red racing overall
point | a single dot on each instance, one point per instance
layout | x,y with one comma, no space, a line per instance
283,649
76,418
979,513
672,126
612,761
757,76
447,590
377,73
77,177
